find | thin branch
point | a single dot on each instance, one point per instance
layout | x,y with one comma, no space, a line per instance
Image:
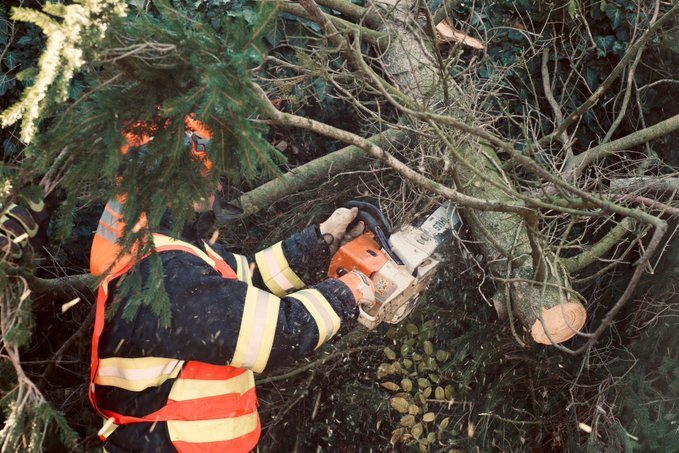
353,11
630,54
379,153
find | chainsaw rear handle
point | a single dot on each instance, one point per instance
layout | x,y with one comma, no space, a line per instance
376,215
374,220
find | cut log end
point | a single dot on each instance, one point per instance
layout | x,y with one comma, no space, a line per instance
446,34
562,322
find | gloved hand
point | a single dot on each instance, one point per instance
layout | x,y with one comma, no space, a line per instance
18,227
361,287
334,230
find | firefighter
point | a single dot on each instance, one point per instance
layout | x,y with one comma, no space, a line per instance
190,387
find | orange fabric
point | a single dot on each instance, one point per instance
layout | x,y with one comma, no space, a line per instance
219,406
105,254
201,370
198,127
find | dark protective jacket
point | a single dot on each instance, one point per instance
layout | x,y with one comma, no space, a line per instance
266,318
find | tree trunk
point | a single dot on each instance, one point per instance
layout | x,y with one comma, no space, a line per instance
536,286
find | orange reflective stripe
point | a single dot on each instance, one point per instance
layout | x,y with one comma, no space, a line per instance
246,402
202,370
213,407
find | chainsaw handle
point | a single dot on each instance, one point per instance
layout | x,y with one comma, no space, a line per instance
376,215
375,221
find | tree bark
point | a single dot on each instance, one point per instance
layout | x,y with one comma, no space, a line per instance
346,159
535,287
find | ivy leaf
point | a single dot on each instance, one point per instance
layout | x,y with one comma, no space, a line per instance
615,14
604,44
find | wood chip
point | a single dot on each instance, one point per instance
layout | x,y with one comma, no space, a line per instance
214,237
586,428
446,34
68,305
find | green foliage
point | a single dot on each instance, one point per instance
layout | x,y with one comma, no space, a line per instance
26,425
66,27
150,87
513,28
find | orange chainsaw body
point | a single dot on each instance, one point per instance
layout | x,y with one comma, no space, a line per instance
362,254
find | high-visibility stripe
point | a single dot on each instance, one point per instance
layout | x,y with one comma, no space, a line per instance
201,370
220,429
244,443
243,269
188,389
115,206
327,321
257,330
164,242
107,429
110,220
106,232
275,270
136,374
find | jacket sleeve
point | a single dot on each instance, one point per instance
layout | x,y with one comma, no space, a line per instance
225,321
286,266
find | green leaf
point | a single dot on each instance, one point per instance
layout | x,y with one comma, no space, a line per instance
417,430
604,44
615,14
429,417
428,348
439,393
412,328
572,8
391,355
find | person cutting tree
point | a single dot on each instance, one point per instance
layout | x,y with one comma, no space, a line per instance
189,386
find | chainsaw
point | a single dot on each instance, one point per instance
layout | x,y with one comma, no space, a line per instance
400,264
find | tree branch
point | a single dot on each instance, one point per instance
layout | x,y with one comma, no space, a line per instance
373,37
353,11
346,159
379,153
630,54
581,161
601,248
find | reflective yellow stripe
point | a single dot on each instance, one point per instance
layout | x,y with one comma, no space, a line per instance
136,374
188,389
107,429
326,319
275,270
257,329
160,240
212,430
243,269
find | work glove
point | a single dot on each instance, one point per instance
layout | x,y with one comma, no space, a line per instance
334,230
19,227
361,287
